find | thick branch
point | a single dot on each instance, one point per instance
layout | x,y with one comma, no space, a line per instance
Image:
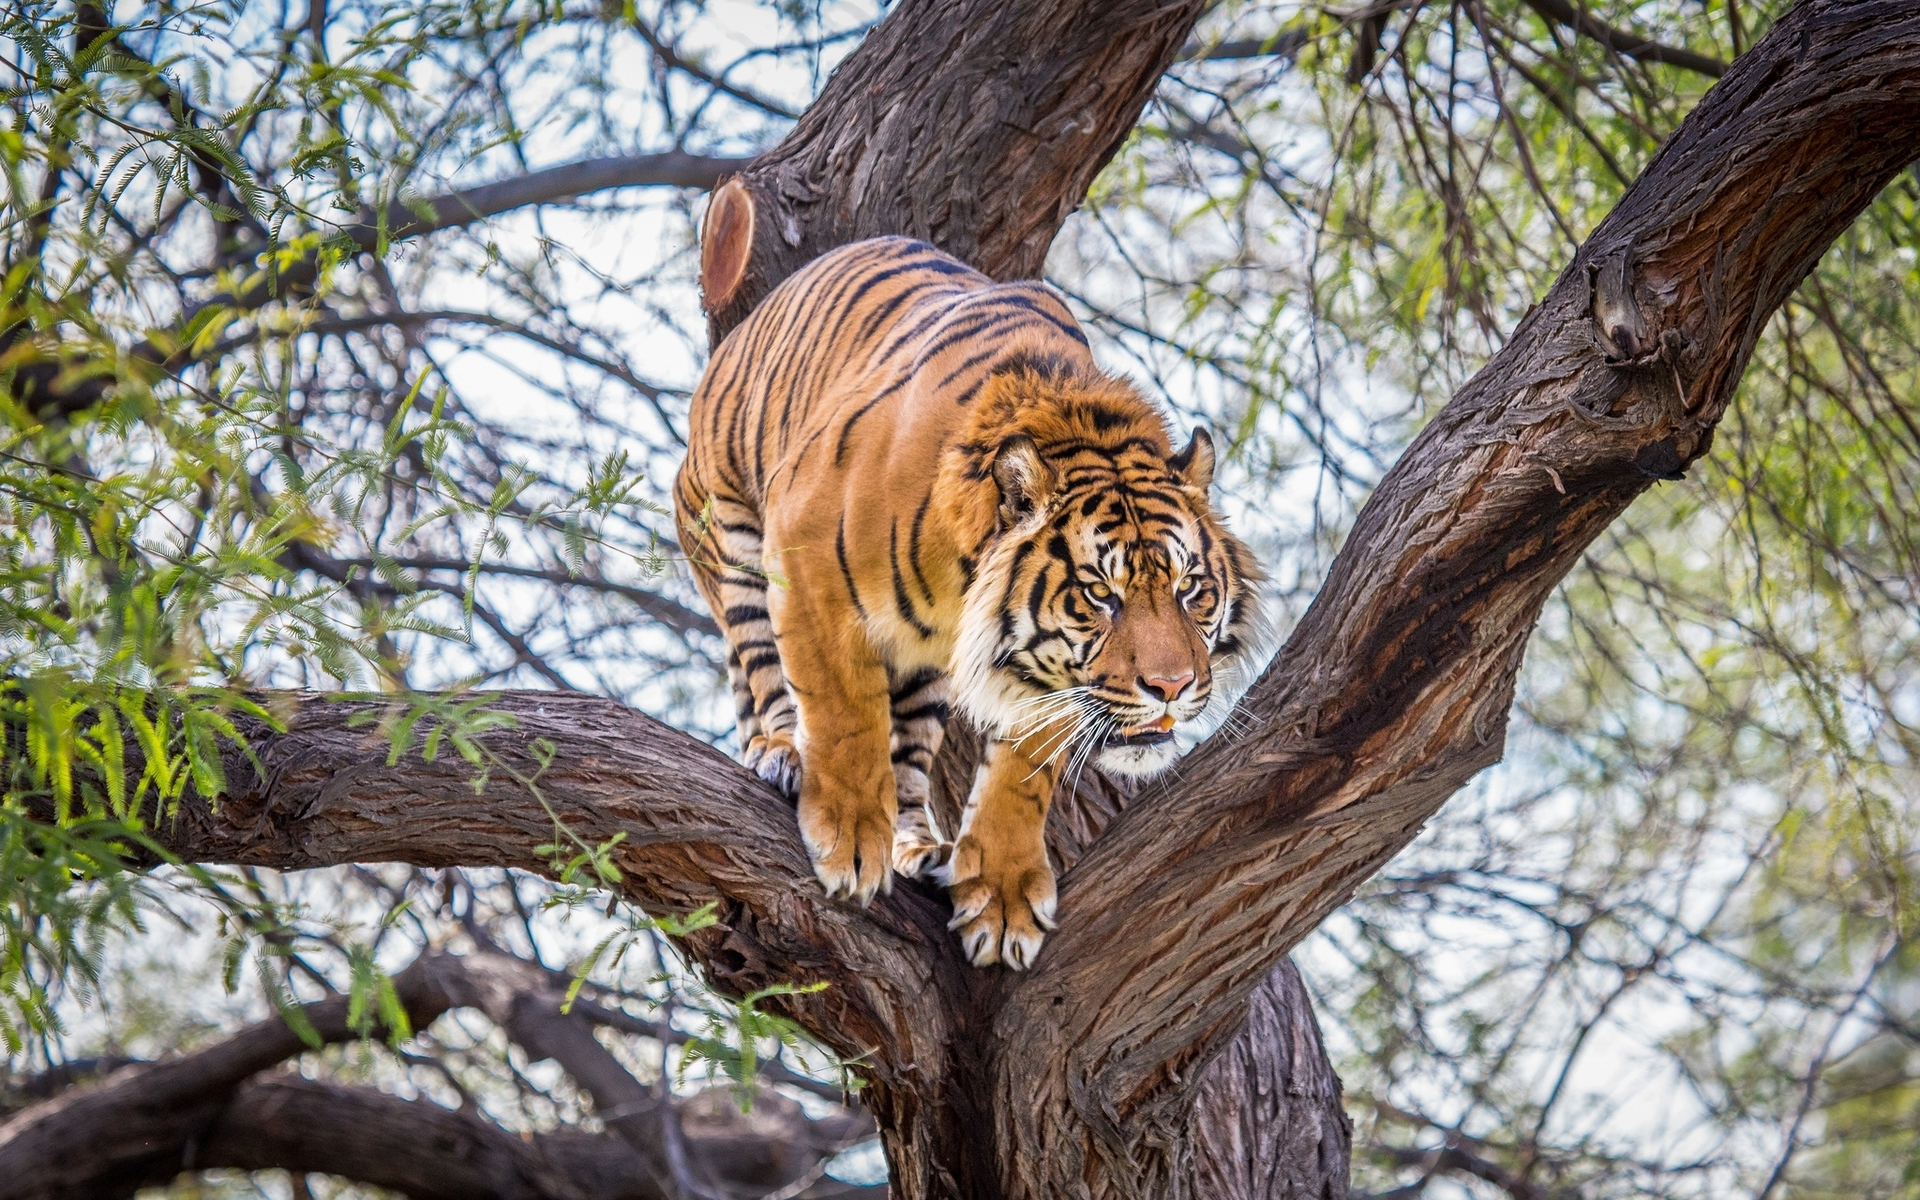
975,125
413,1147
694,826
1395,688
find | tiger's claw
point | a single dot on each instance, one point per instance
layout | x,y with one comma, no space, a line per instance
918,850
1001,910
774,758
851,847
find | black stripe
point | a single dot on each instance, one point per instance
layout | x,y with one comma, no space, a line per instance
1037,594
964,327
971,363
913,547
846,431
901,601
940,710
846,572
879,316
913,683
1067,326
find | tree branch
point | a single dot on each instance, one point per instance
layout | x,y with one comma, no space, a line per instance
1284,44
412,218
61,1149
695,828
417,1148
143,1124
1621,42
670,613
40,384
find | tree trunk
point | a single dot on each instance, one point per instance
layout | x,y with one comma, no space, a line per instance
1126,1063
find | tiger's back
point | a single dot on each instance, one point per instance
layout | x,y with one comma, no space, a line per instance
817,430
905,479
827,366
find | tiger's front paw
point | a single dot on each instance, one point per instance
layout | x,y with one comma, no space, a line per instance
918,849
850,842
1002,904
774,758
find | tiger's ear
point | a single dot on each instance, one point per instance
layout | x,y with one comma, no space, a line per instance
1194,465
1024,478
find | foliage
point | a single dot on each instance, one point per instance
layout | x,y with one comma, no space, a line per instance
197,531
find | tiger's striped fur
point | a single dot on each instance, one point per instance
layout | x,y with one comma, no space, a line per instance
908,488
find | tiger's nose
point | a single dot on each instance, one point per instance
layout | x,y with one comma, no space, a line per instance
1167,689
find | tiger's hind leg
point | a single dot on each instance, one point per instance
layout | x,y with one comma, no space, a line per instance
919,700
730,574
745,722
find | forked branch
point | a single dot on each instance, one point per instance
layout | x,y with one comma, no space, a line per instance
1396,686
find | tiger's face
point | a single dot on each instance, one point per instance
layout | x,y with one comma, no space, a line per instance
1100,621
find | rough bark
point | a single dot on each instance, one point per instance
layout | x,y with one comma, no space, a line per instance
1267,1119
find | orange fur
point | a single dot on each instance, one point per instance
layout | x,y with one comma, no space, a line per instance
908,488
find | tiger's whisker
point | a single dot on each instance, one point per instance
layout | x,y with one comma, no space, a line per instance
1061,740
1056,694
1031,723
1079,765
1048,716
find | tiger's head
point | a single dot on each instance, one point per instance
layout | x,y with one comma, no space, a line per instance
1110,609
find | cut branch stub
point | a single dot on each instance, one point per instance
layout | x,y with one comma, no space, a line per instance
726,243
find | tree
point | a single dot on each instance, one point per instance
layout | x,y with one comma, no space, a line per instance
1114,1065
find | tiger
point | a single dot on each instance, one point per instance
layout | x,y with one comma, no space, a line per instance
908,490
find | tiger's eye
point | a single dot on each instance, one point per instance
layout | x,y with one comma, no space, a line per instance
1187,586
1099,591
